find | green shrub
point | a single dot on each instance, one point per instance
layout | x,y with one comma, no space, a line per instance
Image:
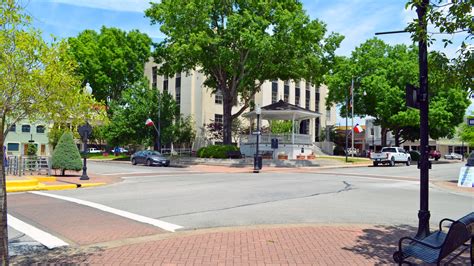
338,150
32,149
216,151
414,155
200,151
66,156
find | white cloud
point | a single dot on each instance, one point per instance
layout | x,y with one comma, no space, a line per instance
117,5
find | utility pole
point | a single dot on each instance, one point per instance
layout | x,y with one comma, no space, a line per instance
347,114
352,105
423,104
423,213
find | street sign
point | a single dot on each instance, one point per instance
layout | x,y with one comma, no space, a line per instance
466,177
256,133
470,121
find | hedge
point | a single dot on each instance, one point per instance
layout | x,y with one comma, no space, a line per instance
216,151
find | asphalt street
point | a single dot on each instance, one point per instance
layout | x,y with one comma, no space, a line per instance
344,195
192,199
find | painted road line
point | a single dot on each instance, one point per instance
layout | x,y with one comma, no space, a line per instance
125,173
161,224
41,236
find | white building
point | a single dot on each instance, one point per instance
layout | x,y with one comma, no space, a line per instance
25,132
196,100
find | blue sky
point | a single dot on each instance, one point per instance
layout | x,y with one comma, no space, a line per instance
357,20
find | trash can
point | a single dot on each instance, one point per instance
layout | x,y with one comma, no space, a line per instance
257,162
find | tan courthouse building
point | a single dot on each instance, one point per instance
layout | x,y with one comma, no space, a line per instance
196,100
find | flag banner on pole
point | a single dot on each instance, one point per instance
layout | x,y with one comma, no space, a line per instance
358,129
149,122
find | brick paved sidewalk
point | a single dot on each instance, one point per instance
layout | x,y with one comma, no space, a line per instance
264,245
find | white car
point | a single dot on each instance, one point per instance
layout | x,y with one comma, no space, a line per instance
94,150
453,156
119,150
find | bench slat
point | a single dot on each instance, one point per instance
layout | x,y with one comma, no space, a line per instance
425,253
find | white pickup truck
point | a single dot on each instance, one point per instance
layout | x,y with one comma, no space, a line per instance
390,155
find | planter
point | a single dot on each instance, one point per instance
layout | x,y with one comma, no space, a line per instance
300,157
282,157
311,157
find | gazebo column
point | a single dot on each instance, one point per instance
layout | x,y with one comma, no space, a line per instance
293,130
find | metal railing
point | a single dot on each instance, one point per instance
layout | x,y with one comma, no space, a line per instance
176,151
21,165
285,138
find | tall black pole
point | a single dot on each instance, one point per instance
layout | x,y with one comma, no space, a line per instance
423,213
84,167
159,126
257,160
347,114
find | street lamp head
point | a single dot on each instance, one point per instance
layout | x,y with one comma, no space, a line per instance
258,110
88,89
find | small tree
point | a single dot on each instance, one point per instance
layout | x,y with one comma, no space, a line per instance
32,149
66,156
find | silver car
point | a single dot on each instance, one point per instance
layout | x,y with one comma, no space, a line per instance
149,158
453,156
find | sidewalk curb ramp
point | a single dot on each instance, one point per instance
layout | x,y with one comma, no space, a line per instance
35,183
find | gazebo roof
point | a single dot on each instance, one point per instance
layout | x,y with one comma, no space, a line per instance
283,111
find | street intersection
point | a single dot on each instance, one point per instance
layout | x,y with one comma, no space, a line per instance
147,204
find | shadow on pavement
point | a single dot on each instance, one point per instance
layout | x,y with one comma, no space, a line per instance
379,244
59,256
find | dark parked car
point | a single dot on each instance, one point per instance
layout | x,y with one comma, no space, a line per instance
434,154
149,158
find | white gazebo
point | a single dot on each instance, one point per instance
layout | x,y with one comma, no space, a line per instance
290,144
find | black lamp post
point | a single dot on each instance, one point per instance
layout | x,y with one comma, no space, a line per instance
85,131
257,164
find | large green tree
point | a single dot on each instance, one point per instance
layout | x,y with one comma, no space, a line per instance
449,17
136,105
111,60
239,44
381,72
37,82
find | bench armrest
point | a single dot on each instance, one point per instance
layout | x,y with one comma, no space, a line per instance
415,240
441,223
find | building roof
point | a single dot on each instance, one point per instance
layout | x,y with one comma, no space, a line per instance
283,111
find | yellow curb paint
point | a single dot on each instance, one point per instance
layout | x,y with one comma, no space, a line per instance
34,185
43,178
22,189
58,187
22,183
92,184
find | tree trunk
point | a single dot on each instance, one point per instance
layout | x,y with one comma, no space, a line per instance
397,137
63,172
384,137
227,119
3,204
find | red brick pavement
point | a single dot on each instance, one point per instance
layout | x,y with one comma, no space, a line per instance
79,224
270,245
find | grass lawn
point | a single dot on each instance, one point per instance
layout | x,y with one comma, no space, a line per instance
343,159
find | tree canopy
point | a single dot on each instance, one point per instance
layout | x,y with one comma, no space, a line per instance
449,18
137,104
380,74
239,44
37,82
111,60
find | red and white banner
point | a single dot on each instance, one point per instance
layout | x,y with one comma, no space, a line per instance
358,129
149,122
